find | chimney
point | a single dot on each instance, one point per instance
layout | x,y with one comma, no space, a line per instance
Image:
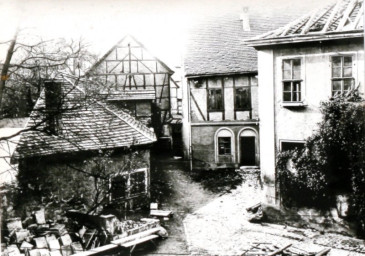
245,19
53,105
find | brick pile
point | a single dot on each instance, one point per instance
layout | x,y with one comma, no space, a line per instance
37,237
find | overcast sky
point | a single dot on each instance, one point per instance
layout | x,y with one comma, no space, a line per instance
159,24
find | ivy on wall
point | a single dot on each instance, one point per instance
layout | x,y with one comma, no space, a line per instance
331,163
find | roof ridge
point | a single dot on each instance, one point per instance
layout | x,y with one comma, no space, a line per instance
133,122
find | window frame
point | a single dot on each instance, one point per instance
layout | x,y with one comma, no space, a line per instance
342,78
291,141
128,192
249,107
224,143
209,90
294,82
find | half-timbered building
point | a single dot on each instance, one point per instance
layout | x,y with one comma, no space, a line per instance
221,119
136,81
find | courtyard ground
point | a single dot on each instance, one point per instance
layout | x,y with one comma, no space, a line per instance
174,189
221,228
215,223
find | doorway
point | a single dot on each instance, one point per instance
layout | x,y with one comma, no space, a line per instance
248,151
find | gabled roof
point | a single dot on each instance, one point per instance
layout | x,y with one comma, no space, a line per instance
134,43
86,124
343,19
216,46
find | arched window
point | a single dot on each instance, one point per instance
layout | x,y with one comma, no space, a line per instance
224,146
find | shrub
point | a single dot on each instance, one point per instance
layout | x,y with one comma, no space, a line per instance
331,163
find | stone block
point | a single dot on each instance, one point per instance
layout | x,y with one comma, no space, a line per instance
40,216
21,235
40,242
66,250
14,224
76,247
66,240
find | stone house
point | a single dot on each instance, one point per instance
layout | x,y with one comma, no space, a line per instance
220,91
311,59
59,151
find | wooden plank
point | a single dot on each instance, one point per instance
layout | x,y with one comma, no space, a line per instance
279,250
135,236
323,252
139,241
358,17
346,14
333,13
197,106
160,213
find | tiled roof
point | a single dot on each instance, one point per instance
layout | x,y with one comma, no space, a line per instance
217,46
86,124
342,19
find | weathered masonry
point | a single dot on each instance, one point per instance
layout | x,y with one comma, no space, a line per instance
220,94
310,60
138,82
59,154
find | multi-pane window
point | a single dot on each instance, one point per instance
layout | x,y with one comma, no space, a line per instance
224,146
292,81
342,78
215,100
243,98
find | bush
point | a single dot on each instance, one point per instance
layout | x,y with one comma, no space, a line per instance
331,163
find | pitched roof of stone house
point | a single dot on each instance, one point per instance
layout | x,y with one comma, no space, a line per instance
343,19
85,124
216,46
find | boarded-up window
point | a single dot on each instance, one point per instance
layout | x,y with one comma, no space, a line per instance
215,100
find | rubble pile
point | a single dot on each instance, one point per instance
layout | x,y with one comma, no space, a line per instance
79,232
270,249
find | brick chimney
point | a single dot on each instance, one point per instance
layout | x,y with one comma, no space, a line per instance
53,90
245,17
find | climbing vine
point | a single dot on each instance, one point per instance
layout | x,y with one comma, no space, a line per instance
331,163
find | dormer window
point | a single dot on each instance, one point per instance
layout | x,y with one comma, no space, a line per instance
342,78
292,81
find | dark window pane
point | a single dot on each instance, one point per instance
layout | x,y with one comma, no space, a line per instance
296,64
287,96
287,86
119,187
336,61
215,99
243,98
286,146
336,85
347,61
224,145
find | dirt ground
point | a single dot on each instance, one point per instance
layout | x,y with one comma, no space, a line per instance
173,188
221,228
